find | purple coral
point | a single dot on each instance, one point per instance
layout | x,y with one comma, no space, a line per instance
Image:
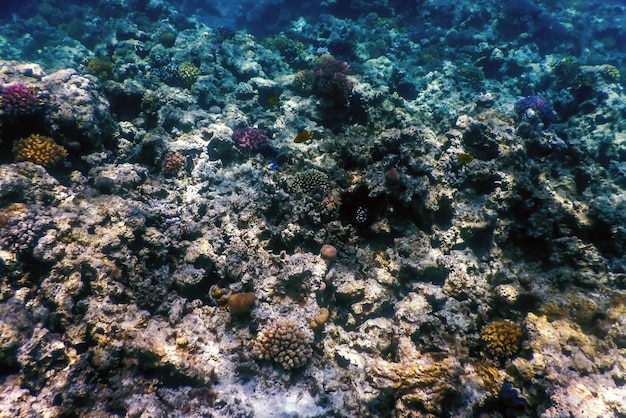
535,107
17,100
253,139
330,80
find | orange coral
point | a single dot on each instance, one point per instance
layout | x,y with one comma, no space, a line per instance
40,150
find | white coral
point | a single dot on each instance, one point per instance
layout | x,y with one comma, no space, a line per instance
284,342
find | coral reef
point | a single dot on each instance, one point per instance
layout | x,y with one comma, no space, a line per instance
467,167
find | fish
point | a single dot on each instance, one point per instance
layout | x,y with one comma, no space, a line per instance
465,158
274,100
272,164
303,136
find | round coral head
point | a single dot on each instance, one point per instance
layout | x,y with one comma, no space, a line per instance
392,175
328,252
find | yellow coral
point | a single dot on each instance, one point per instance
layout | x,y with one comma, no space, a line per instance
502,338
490,377
332,202
188,72
101,67
415,379
611,73
284,342
40,150
303,80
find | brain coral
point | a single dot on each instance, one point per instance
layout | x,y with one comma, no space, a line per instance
40,150
284,342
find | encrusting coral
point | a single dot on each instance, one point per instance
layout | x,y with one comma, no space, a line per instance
12,211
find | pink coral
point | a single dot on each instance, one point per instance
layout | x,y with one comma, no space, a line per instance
17,100
253,139
330,80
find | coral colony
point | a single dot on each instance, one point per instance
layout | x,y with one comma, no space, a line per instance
330,80
535,107
17,100
252,139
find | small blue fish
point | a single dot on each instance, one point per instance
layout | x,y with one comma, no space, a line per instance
271,156
271,164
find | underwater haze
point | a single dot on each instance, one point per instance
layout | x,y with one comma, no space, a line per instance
339,208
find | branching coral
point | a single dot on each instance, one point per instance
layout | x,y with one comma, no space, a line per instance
253,139
330,80
172,162
40,150
535,106
17,100
188,72
502,338
284,342
311,181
